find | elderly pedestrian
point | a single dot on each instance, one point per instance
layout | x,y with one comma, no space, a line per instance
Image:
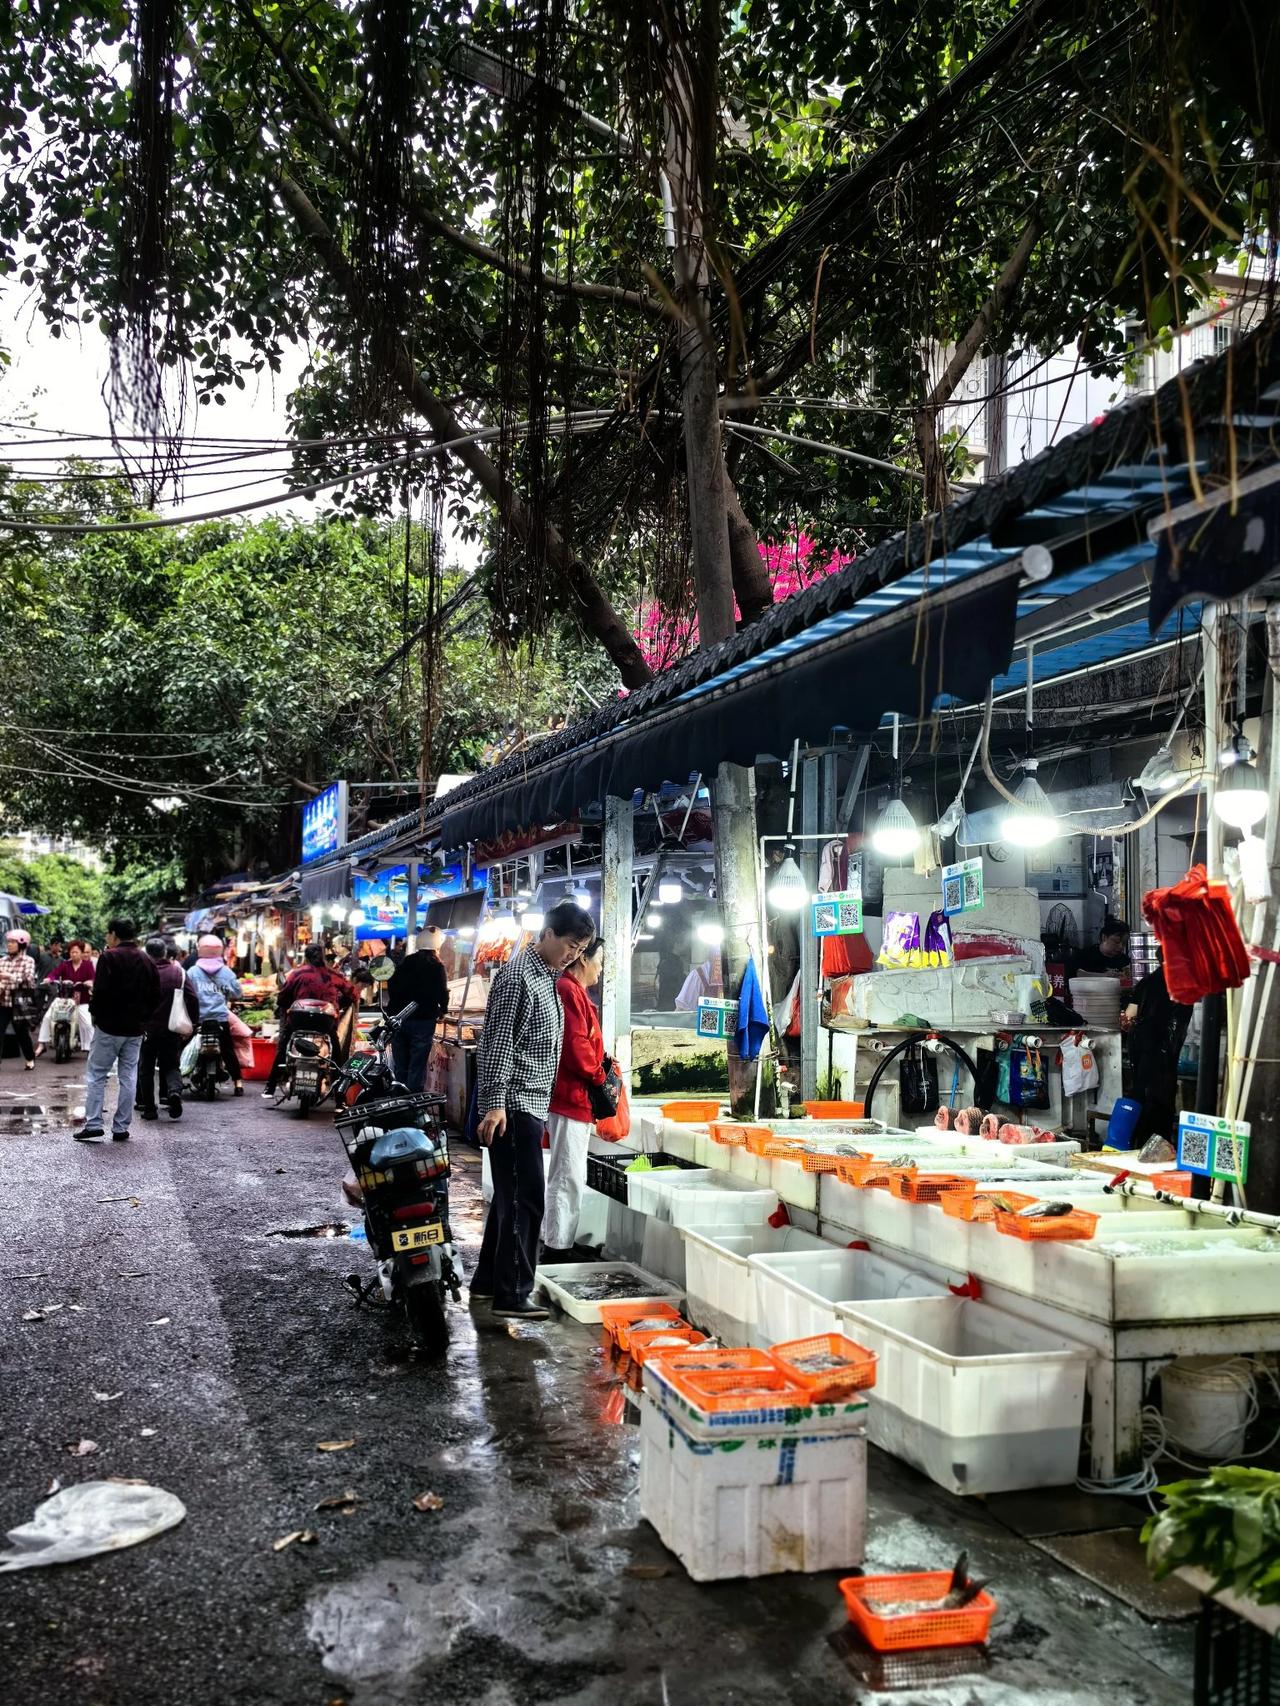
161,1047
571,1121
516,1064
126,988
215,985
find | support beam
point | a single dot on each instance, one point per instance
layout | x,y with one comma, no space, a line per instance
615,927
808,861
411,906
733,795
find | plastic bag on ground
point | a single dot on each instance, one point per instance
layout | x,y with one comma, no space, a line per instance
90,1518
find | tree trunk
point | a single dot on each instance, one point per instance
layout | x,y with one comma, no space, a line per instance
751,585
586,599
937,492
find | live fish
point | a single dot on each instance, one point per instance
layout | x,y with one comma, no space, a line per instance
1044,1210
962,1590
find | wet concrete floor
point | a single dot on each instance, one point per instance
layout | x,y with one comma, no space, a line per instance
236,1354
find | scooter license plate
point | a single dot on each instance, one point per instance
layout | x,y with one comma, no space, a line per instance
418,1237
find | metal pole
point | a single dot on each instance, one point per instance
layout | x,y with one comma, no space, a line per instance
411,906
808,941
615,926
1209,631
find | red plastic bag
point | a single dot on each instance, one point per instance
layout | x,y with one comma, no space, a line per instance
1204,952
618,1125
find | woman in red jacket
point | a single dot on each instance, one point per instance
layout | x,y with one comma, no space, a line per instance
570,1122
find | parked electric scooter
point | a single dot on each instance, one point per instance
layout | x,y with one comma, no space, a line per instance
399,1158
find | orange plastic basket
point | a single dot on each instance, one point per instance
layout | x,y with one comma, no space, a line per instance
869,1597
822,1160
718,1392
716,1359
617,1318
862,1170
762,1141
658,1339
856,1373
834,1110
690,1113
1078,1224
727,1132
910,1186
968,1203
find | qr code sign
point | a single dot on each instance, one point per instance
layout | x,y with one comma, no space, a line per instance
1193,1149
1228,1160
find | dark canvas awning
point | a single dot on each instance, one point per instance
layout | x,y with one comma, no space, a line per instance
940,610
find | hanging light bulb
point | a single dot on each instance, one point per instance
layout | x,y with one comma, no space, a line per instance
357,917
896,833
1031,821
466,932
507,928
490,930
711,933
654,919
531,920
670,891
1240,799
788,891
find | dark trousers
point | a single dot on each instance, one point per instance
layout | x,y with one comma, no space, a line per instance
162,1051
21,1030
509,1251
410,1050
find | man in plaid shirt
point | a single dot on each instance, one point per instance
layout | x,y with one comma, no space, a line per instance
515,1068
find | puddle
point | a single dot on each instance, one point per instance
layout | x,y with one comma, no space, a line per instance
388,1621
327,1229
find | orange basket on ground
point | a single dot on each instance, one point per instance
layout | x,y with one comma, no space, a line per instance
617,1318
868,1598
968,1202
728,1132
910,1186
771,1144
656,1340
1077,1224
718,1392
690,1113
834,1110
825,1385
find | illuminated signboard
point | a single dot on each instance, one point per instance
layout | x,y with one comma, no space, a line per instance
324,823
384,899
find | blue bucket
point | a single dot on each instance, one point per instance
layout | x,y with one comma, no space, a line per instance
1123,1122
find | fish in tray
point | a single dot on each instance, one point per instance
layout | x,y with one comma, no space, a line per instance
1044,1210
608,1288
962,1590
819,1362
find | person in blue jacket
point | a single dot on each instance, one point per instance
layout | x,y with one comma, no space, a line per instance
215,985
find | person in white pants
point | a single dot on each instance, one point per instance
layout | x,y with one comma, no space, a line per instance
77,968
570,1121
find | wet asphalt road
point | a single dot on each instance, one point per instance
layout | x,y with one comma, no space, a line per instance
234,1353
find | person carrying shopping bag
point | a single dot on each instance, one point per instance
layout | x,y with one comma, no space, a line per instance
161,1044
572,1116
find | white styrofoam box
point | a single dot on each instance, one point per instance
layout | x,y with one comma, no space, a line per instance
720,1290
753,1506
650,1288
797,1291
979,1400
1054,1153
1012,913
787,1421
969,992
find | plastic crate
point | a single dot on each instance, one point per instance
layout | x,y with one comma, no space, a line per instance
868,1597
908,1185
718,1276
834,1110
762,1140
1236,1663
616,1318
855,1169
969,1204
728,1132
800,1293
857,1373
690,1113
981,1401
658,1341
607,1173
1079,1223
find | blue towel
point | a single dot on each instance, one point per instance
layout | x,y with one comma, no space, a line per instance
753,1021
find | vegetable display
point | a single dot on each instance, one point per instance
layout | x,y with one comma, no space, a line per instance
1227,1525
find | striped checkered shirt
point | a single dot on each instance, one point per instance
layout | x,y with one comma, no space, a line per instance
17,971
520,1043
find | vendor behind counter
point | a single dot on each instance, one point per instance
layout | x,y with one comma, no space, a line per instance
1110,953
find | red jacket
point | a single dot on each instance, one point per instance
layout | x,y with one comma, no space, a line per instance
581,1052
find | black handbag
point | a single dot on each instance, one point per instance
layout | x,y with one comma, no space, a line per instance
605,1097
917,1081
24,1005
